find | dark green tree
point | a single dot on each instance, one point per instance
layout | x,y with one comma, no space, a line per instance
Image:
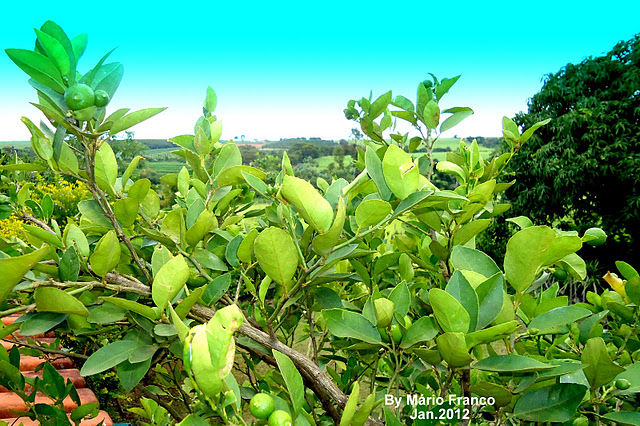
583,168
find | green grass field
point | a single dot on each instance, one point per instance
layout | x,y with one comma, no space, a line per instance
164,167
16,144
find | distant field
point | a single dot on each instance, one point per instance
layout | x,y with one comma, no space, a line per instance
16,144
164,167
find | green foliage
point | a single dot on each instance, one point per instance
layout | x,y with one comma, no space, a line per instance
377,277
579,170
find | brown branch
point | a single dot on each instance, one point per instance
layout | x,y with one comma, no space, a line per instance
37,222
46,350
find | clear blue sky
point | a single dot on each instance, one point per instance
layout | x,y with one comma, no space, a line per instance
287,69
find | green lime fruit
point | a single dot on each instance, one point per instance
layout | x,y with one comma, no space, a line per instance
79,96
384,311
560,274
534,331
280,418
623,384
101,98
396,333
384,335
407,322
581,421
600,237
262,405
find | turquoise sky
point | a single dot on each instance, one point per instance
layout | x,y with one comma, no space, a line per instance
287,69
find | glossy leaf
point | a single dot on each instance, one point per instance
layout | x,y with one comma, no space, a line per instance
555,403
401,175
532,248
276,254
371,212
343,323
106,255
14,268
450,313
312,206
108,356
511,363
169,281
600,369
50,299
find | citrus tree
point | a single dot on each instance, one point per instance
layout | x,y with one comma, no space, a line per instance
363,302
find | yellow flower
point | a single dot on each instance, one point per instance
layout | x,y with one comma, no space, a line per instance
616,284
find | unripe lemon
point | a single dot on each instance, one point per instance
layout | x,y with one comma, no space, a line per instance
623,384
101,98
599,234
396,333
280,418
262,405
384,311
79,96
581,421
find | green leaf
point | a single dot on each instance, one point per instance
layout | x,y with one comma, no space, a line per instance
133,118
131,374
41,323
470,230
50,299
401,297
379,105
431,114
255,183
133,306
276,254
350,407
236,175
139,190
74,237
529,132
57,53
14,268
108,356
126,211
465,258
371,212
69,265
91,210
424,329
453,349
450,313
555,403
511,363
38,67
624,417
626,270
491,334
216,289
27,167
324,243
556,321
459,287
312,206
632,289
533,248
229,156
343,323
209,260
108,78
374,169
106,167
292,379
600,369
501,394
401,174
203,225
210,101
44,235
106,313
79,44
106,255
443,87
169,281
452,168
490,298
455,118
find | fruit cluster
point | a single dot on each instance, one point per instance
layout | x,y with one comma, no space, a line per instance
262,406
80,96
